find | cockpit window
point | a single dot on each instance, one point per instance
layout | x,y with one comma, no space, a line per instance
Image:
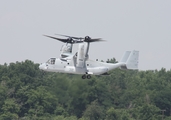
64,56
51,61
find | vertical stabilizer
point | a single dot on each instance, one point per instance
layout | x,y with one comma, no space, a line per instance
125,56
132,62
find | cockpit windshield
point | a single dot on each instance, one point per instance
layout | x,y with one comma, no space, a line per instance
51,61
64,56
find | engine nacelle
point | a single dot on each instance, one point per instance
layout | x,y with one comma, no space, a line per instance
80,56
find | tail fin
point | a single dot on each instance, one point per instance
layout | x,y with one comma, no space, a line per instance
125,56
130,58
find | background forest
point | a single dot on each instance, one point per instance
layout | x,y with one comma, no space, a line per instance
26,93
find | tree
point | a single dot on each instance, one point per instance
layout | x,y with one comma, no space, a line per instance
148,112
163,100
10,110
40,102
78,97
112,114
93,111
113,60
28,93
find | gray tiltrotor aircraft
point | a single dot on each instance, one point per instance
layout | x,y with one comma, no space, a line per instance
79,63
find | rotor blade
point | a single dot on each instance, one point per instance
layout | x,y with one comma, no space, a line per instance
70,36
95,40
62,40
65,40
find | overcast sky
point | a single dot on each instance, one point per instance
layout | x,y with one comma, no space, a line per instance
143,25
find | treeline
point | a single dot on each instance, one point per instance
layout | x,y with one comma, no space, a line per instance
26,93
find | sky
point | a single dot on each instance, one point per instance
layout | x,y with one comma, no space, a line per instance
143,25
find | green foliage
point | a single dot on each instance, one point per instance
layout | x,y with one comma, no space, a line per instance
93,111
113,60
26,93
111,114
148,112
118,114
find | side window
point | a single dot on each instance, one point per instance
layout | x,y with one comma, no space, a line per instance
51,61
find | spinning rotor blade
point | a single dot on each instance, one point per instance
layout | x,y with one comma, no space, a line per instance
70,36
74,40
68,40
94,40
88,39
62,40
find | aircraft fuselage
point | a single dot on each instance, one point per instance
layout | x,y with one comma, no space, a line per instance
68,66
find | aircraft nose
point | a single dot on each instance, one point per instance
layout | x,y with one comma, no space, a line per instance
42,66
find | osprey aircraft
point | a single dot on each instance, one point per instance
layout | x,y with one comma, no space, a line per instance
79,63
